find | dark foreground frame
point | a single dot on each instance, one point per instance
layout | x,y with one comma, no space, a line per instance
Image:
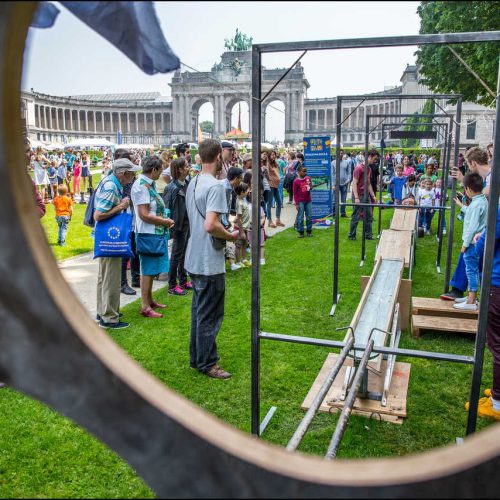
257,51
51,350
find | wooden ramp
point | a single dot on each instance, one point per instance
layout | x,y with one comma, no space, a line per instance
404,219
395,245
395,410
439,315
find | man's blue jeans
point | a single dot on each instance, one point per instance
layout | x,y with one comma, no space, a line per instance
304,208
471,259
207,313
343,199
62,222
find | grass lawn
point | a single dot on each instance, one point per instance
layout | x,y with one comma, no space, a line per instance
45,455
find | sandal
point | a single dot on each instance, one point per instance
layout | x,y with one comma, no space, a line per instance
149,313
156,305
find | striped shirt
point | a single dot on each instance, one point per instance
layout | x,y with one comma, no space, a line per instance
109,194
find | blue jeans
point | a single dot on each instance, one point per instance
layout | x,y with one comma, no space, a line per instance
343,199
207,313
459,280
471,259
274,196
62,222
304,208
425,216
280,190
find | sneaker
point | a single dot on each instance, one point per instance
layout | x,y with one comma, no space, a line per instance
127,290
115,326
487,393
459,300
262,262
352,238
369,237
453,294
217,372
309,234
136,284
98,317
245,263
464,306
177,290
485,409
187,286
301,235
481,402
235,267
444,231
427,232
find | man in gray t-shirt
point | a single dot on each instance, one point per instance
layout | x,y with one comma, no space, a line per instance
205,202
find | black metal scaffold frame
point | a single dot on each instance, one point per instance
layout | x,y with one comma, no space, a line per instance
256,334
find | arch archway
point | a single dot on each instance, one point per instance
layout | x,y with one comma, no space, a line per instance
175,446
232,110
202,110
274,120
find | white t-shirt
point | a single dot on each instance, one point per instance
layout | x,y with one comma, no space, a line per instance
425,198
140,196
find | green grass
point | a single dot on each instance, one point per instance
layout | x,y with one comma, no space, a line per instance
45,455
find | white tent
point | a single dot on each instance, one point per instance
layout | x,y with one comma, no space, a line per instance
137,146
53,146
34,143
90,143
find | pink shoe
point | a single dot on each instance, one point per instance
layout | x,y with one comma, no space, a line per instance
177,290
187,286
149,313
155,305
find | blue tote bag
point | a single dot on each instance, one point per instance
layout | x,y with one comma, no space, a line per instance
113,236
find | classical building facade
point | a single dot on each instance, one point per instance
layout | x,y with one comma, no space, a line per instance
150,118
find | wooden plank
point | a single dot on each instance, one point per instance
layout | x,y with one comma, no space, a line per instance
437,323
377,307
437,307
404,219
395,245
404,300
396,401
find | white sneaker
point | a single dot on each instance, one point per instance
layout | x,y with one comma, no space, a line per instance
427,232
463,306
262,262
459,300
444,231
235,267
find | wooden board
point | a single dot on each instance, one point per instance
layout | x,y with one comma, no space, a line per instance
377,304
404,299
438,307
404,219
437,323
395,410
395,245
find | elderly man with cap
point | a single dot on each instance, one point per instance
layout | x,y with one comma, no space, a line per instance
247,162
227,156
108,202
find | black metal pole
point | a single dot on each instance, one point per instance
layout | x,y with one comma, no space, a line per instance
365,192
442,201
349,403
337,208
453,194
256,173
489,250
374,205
381,171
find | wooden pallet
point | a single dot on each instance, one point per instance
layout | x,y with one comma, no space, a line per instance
437,307
395,410
395,245
404,219
458,324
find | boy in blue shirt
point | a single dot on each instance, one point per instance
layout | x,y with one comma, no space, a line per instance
397,183
474,222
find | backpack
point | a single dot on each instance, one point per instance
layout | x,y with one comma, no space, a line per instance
88,218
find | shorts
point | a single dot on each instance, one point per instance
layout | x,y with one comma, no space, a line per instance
262,236
85,172
241,242
230,251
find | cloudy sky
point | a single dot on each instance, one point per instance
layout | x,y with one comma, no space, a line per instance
71,59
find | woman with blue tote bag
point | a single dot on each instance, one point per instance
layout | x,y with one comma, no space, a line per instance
151,231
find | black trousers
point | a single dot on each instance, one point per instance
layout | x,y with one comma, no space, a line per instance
135,266
207,313
357,216
179,245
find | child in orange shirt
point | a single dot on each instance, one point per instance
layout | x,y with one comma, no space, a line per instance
64,210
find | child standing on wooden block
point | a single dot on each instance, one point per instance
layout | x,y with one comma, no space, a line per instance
474,222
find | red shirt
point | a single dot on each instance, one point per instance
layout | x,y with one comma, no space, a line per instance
359,175
302,189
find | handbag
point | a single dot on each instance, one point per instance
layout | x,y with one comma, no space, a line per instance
113,236
152,245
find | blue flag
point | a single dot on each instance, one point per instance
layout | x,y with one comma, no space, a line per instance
45,15
133,28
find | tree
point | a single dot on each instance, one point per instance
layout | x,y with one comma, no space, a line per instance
207,126
428,109
442,72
